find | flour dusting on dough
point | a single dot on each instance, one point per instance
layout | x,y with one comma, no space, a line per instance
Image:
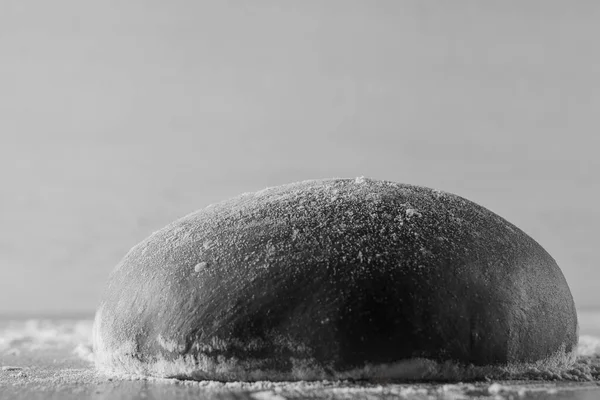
173,293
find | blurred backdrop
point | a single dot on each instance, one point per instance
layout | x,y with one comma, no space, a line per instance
117,117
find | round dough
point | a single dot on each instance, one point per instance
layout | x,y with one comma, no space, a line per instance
329,279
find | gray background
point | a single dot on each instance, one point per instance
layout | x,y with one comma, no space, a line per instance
116,117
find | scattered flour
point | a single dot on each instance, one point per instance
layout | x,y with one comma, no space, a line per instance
495,388
78,381
200,266
197,368
11,368
39,334
74,336
588,346
84,351
267,395
411,212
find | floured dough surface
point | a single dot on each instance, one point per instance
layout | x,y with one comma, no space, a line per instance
335,279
